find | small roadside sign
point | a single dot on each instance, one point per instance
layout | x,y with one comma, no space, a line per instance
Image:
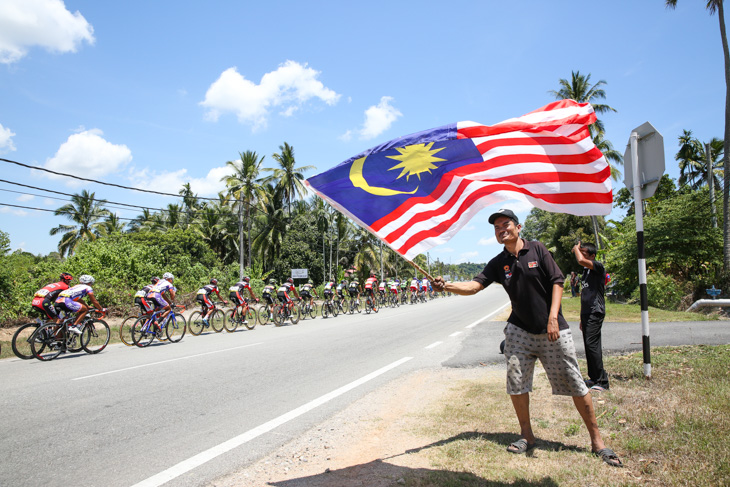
300,273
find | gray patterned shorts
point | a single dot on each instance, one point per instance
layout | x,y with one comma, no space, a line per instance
558,358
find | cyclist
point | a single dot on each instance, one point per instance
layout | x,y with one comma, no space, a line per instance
140,297
424,286
283,292
267,295
341,288
44,298
393,285
414,287
236,293
381,289
156,294
354,290
329,289
370,285
305,292
68,301
205,303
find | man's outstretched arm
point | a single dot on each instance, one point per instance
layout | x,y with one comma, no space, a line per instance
466,288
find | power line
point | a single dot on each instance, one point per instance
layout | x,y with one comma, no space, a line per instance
46,209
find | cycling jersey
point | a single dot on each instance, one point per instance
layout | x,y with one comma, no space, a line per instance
162,286
424,284
283,292
142,293
43,298
341,287
235,292
140,299
353,287
381,286
306,290
68,299
266,293
328,287
414,284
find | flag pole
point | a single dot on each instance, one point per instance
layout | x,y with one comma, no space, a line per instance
418,268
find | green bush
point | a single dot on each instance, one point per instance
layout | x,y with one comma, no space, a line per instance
662,292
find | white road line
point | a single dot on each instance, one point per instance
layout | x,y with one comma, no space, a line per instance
456,333
434,345
488,316
165,361
203,457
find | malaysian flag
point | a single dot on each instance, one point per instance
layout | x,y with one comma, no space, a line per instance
418,191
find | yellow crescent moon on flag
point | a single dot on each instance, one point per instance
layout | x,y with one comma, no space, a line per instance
358,180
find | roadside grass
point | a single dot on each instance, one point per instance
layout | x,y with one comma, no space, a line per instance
668,430
617,312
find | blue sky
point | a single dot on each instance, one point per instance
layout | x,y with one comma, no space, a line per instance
156,94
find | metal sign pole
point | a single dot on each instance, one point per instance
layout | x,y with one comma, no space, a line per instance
639,213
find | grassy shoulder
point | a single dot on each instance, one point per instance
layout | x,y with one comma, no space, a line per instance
617,312
662,437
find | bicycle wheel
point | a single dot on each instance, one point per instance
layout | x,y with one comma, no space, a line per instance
142,332
21,340
295,315
263,314
324,311
356,307
125,330
312,312
175,328
217,320
276,315
45,346
368,306
232,320
95,336
249,318
195,323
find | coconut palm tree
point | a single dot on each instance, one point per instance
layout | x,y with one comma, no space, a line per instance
245,186
143,221
716,6
112,225
579,88
84,211
273,224
287,176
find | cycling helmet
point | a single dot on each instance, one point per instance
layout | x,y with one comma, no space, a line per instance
214,282
310,282
290,280
372,274
86,279
65,277
246,279
155,280
272,281
168,276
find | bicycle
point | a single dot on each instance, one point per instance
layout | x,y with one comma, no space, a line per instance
330,307
370,304
53,339
308,309
343,304
144,330
288,311
265,313
242,314
125,329
355,306
22,337
216,320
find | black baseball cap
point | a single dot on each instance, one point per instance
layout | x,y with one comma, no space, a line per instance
504,212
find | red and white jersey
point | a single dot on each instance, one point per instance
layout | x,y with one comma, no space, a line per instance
369,283
381,286
51,289
414,284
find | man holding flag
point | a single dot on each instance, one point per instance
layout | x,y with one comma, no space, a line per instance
535,329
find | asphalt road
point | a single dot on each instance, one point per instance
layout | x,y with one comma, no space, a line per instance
184,414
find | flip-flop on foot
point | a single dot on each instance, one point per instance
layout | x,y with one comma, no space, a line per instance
609,457
521,446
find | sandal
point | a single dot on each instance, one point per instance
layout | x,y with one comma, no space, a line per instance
609,457
520,446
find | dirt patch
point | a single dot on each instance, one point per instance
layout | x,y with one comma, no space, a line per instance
372,443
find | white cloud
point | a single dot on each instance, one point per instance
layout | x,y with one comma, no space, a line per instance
487,241
44,23
13,211
24,197
347,136
49,202
290,86
89,155
469,228
6,139
379,118
172,182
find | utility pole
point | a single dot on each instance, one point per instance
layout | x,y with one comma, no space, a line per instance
240,235
711,182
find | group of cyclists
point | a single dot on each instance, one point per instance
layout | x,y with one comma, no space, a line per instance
61,298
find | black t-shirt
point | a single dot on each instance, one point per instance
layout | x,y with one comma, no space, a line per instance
593,282
529,281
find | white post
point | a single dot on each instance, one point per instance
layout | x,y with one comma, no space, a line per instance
639,213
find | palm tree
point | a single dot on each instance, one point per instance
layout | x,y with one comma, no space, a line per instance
190,202
112,225
580,90
273,224
689,157
85,211
245,186
717,6
143,221
287,176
